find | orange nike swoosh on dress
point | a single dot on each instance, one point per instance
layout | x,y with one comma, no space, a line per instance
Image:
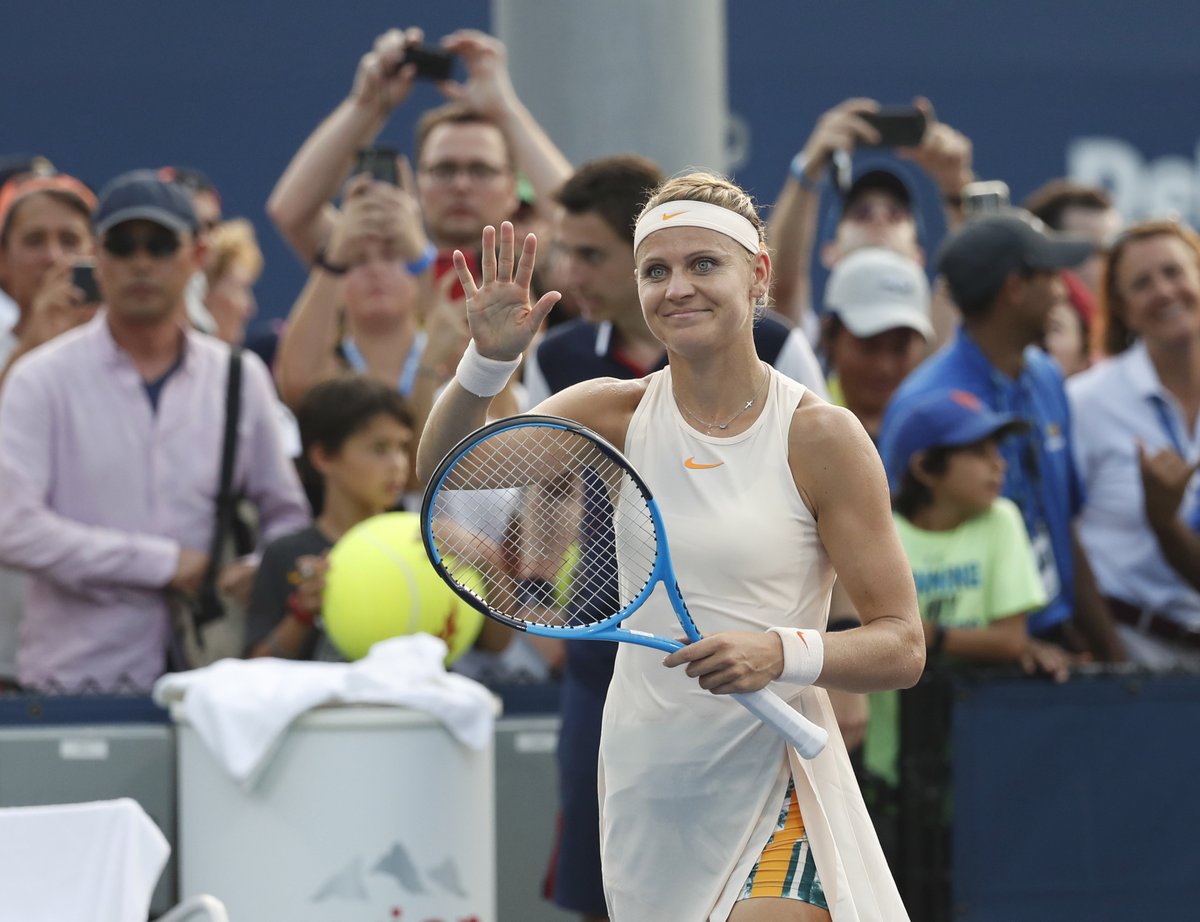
693,465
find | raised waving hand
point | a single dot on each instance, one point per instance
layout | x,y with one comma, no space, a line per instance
503,321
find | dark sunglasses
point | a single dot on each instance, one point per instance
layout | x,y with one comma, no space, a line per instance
123,243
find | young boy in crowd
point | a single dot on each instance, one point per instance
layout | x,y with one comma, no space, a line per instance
970,554
356,433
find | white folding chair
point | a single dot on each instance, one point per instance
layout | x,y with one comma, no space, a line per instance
87,862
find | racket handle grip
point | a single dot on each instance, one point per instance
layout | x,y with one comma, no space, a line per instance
808,738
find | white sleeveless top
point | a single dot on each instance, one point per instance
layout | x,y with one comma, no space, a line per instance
691,784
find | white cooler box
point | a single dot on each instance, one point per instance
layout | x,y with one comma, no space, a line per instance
363,814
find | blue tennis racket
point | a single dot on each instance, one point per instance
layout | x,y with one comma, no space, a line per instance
544,526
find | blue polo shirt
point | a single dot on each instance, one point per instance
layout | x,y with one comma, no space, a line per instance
1040,477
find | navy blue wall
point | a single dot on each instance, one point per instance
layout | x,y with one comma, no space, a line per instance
234,87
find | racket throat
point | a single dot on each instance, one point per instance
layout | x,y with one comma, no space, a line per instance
643,639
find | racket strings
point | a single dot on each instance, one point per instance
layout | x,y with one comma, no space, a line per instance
544,528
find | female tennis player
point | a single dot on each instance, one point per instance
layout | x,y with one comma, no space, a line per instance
766,491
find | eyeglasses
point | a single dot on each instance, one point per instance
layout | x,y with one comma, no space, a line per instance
159,243
476,171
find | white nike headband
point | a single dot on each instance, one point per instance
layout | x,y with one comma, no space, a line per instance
696,214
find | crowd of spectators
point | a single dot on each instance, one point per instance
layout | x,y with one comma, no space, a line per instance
1035,406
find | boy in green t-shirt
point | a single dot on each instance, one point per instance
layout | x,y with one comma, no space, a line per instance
970,554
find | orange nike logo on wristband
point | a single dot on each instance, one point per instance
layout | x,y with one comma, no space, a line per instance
693,465
673,214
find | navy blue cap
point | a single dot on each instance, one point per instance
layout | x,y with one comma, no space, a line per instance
978,257
944,419
881,178
141,195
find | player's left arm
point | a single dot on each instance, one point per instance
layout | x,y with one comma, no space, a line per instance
840,477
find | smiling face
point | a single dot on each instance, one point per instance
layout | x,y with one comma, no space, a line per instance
1158,284
697,287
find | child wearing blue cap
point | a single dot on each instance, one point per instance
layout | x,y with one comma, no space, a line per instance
971,557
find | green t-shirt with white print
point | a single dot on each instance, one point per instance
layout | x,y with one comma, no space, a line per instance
967,577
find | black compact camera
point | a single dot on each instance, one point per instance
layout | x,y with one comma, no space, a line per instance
432,63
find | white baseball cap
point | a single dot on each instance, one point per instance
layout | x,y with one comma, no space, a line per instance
873,290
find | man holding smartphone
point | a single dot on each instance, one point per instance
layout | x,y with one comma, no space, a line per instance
877,205
464,179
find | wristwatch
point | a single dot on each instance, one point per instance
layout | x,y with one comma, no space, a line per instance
322,263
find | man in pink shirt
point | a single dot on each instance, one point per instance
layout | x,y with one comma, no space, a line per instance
110,444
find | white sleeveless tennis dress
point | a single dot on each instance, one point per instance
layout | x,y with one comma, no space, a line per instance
691,783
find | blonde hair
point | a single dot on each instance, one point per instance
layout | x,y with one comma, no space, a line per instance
1111,333
232,243
713,189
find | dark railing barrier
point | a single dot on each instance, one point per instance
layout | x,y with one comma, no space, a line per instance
1022,799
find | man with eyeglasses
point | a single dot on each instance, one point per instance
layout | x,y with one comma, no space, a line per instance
110,449
413,330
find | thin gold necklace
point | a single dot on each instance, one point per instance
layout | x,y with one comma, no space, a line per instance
710,426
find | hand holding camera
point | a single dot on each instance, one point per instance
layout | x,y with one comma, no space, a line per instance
943,152
488,88
373,207
67,297
382,82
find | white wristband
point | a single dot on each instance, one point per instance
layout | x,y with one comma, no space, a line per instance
482,376
803,655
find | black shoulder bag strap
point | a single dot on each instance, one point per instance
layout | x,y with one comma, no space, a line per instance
210,607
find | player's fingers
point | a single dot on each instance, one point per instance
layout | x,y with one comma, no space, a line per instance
464,274
504,263
545,304
685,654
525,264
487,258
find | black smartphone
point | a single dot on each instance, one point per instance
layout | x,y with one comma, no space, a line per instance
433,63
378,163
83,277
897,127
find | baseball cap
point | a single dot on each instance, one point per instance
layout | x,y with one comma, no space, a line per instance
944,419
26,184
978,257
873,289
142,195
192,179
883,179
